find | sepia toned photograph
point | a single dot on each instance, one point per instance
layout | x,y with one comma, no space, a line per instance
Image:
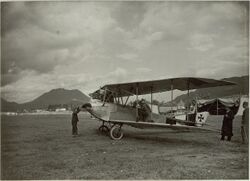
124,90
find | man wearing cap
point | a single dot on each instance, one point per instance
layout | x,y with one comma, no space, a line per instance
227,125
74,121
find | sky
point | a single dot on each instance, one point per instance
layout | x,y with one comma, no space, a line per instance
85,45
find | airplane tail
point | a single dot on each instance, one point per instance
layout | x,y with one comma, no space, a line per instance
201,118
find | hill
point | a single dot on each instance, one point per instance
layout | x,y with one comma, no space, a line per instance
54,97
75,97
8,106
242,87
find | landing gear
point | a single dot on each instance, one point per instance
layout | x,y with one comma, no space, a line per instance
103,129
116,132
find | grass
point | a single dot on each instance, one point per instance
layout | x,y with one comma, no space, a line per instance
41,147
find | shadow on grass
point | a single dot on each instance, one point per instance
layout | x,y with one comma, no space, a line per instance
162,139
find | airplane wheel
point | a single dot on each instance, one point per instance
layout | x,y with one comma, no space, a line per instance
103,129
116,133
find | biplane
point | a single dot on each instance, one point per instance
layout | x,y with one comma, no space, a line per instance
110,105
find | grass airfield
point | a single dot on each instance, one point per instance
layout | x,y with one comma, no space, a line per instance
41,147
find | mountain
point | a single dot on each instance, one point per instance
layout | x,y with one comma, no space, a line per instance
54,97
75,97
8,106
242,87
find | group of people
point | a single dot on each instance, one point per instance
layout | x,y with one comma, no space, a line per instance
227,125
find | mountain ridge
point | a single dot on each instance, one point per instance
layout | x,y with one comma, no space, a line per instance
59,96
62,96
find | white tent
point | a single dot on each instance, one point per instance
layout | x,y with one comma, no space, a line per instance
155,109
227,101
244,98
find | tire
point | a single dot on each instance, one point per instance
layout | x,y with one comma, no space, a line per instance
116,133
103,129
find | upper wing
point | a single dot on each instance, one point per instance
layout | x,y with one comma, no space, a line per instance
154,86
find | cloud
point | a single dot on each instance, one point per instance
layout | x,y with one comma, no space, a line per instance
85,45
129,56
38,42
201,42
116,76
143,70
155,36
143,41
31,85
128,15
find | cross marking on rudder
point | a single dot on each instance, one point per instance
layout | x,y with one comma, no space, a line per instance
200,118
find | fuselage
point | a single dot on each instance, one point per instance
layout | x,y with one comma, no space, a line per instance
113,111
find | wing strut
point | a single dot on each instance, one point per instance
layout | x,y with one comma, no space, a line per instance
188,108
217,106
151,90
172,95
104,98
126,101
137,118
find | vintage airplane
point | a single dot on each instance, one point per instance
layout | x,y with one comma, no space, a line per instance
110,107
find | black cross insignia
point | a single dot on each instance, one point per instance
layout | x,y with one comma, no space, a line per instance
200,118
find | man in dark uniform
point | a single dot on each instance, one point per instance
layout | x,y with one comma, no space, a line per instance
144,110
74,121
227,125
245,123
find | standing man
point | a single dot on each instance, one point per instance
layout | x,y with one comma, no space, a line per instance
74,121
245,123
227,125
